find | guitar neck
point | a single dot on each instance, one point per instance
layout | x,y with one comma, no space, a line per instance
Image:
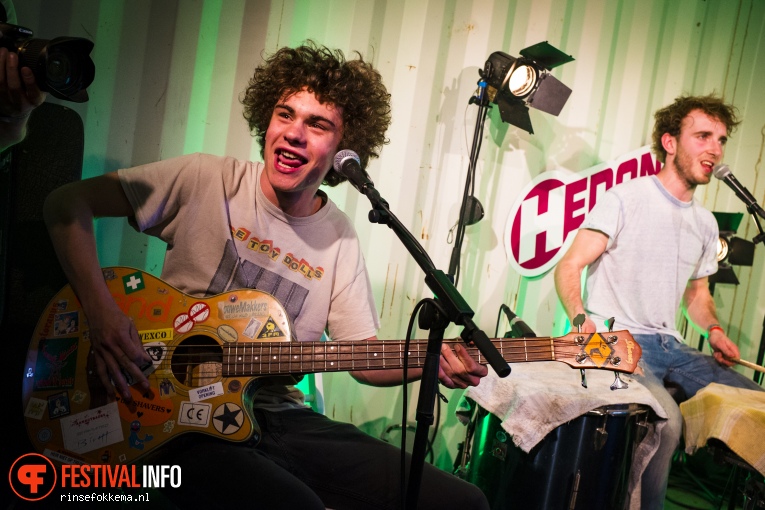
279,358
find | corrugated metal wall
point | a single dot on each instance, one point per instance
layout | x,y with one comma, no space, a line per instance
170,72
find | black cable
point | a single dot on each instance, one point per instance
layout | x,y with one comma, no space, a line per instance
502,308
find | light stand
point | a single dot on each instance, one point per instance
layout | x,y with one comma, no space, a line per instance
467,213
513,84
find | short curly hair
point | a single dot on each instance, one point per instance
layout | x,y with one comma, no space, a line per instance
670,118
352,85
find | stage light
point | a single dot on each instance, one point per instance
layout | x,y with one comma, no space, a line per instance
731,250
734,250
514,84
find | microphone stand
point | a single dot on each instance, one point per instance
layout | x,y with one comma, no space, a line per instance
455,309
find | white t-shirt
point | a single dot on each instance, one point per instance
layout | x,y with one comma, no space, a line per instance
656,244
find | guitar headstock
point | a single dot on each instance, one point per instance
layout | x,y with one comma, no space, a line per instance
615,350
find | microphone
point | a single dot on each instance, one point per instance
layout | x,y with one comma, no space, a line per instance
348,164
518,328
723,173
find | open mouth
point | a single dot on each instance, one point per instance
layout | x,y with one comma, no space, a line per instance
288,160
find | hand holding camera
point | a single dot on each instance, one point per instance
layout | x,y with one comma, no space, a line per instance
31,67
19,93
61,66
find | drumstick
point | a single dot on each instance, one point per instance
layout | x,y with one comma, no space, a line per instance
748,364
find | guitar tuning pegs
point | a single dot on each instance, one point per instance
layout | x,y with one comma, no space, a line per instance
578,322
610,324
584,378
618,384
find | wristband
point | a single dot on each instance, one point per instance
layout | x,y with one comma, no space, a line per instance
712,327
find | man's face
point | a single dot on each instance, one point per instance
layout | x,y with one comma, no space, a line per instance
699,147
301,143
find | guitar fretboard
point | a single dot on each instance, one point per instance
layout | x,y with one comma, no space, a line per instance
278,358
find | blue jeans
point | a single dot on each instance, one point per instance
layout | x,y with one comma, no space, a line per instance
664,358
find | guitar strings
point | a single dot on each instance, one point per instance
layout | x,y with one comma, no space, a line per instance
276,358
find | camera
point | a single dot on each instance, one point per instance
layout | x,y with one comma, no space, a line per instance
62,66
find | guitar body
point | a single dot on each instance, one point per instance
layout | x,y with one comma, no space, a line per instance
67,415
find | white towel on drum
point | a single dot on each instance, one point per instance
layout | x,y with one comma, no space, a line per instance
536,398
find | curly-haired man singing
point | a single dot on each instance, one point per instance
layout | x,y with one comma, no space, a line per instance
302,105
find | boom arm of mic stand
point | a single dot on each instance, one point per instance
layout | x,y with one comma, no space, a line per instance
459,312
455,306
759,238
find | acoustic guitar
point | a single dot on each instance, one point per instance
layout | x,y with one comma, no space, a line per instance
211,356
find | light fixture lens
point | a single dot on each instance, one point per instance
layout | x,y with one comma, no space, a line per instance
522,80
722,249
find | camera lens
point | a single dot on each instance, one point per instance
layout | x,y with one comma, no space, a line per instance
59,70
61,66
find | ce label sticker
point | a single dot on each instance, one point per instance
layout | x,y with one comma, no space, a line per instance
195,414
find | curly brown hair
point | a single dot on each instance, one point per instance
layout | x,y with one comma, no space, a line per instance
670,118
352,85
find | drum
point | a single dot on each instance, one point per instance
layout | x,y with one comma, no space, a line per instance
583,464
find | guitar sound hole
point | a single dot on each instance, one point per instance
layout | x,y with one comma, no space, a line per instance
197,361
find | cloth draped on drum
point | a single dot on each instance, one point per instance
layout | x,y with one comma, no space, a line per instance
735,416
536,398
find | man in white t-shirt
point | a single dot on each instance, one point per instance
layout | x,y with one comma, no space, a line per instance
649,247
